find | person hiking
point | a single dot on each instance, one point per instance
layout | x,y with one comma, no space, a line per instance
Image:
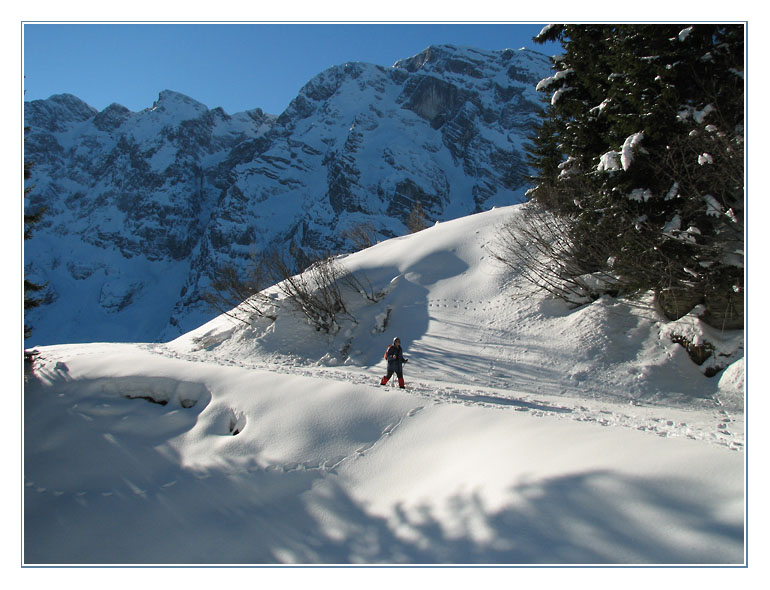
396,360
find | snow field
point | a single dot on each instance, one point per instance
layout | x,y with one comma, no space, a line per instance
440,482
529,433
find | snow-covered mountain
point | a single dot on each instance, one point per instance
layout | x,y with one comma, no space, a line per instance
529,432
142,205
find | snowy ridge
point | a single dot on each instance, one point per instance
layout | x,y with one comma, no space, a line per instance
529,433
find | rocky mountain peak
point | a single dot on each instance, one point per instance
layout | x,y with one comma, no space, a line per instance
141,207
438,58
517,65
57,112
112,117
171,108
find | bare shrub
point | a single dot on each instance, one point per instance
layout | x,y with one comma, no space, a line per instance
240,294
361,284
315,291
362,236
417,220
539,245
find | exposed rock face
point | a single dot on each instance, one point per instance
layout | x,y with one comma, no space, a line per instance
141,205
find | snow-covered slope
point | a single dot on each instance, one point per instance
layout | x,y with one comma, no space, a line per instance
528,432
142,206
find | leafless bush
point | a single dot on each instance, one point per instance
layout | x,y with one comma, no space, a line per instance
314,287
417,220
539,246
362,236
315,291
240,294
361,284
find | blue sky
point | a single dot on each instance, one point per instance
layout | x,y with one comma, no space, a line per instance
234,66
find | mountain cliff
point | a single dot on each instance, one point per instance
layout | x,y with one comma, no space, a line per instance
140,206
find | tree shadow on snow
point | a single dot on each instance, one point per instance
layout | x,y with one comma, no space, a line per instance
97,493
594,518
307,517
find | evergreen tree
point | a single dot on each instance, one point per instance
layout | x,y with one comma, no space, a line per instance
649,124
30,288
544,154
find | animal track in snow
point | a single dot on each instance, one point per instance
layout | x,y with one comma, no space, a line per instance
363,448
390,428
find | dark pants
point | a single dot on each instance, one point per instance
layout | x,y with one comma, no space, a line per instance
399,374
